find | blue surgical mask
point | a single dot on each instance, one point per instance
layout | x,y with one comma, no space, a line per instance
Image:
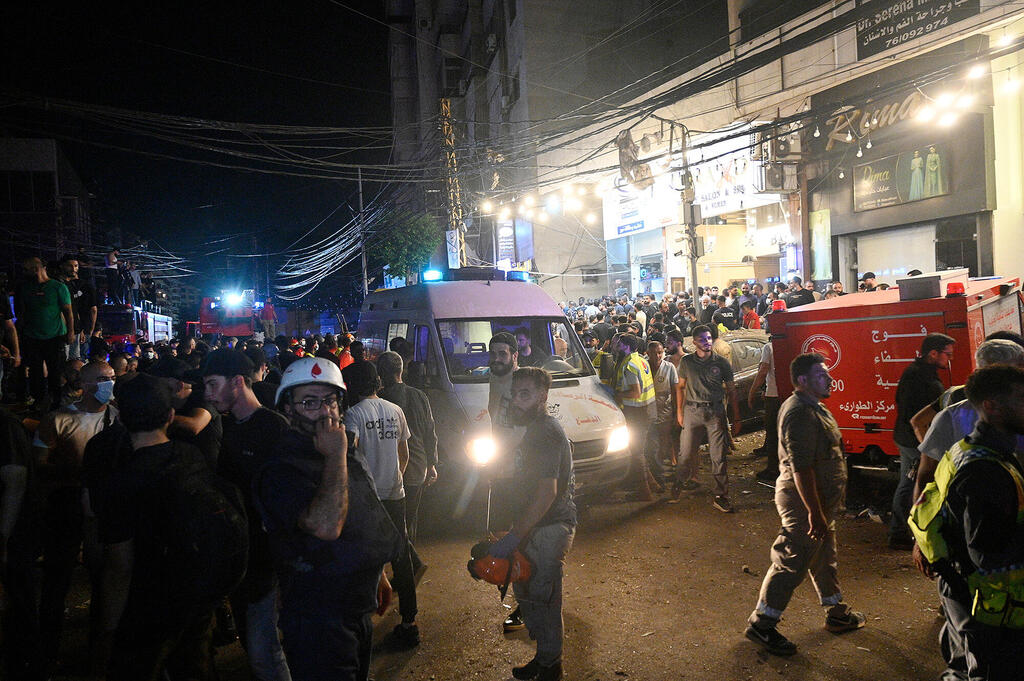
104,391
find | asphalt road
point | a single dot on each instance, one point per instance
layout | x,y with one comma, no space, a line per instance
662,591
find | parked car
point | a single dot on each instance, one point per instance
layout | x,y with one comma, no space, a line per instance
746,348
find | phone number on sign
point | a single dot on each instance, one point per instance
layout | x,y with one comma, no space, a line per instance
916,33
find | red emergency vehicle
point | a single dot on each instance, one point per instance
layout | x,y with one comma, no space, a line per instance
869,338
228,315
126,325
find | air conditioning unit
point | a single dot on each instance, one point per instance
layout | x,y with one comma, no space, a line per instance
777,178
491,43
785,147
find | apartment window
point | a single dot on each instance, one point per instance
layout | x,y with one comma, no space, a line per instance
451,75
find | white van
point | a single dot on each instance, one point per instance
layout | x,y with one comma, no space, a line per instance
449,324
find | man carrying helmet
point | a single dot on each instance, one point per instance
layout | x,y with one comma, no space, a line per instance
329,534
544,520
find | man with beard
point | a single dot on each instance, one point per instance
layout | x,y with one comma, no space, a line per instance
329,534
251,434
544,520
634,393
808,495
504,360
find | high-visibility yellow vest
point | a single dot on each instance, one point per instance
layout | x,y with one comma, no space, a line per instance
998,595
639,366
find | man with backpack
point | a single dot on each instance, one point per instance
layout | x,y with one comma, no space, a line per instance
968,527
175,543
251,434
330,535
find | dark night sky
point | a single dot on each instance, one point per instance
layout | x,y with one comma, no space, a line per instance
135,58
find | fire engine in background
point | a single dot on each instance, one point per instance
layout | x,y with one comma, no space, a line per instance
127,325
231,314
869,338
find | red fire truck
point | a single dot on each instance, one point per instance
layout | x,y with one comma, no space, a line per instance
126,324
228,315
868,339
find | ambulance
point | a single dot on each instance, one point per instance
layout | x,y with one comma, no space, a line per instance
449,324
868,339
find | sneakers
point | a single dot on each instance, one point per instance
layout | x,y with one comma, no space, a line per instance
837,624
722,504
406,635
527,671
514,622
771,640
769,474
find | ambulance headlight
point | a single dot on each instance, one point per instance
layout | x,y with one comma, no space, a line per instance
482,450
618,440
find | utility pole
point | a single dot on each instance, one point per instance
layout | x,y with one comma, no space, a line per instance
362,233
692,212
456,228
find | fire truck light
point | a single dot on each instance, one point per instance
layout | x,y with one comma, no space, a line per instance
234,299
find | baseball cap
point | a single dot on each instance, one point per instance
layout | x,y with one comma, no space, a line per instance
867,275
227,363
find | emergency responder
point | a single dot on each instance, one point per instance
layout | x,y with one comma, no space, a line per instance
808,495
981,580
329,534
707,380
634,392
918,386
544,520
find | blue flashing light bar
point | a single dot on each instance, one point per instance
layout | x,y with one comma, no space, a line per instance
433,275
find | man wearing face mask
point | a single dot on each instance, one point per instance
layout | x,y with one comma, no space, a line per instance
63,435
330,536
544,520
251,434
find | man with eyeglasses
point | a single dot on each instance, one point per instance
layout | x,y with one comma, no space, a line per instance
330,536
919,386
250,436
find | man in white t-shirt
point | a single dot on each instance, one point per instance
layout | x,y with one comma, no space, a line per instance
382,439
63,435
766,377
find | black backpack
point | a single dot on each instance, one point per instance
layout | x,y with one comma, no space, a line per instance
201,528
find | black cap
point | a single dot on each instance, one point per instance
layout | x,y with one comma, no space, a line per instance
227,363
867,275
256,355
170,367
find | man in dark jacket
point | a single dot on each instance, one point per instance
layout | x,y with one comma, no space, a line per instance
919,386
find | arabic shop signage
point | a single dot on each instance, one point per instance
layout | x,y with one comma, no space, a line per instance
726,184
895,22
628,210
913,175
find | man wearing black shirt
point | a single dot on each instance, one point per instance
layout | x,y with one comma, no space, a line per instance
83,305
919,386
195,422
602,329
251,434
799,295
545,520
725,315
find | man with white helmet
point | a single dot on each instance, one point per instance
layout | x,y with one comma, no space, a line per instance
329,534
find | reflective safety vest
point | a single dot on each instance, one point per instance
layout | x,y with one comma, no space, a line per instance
604,364
998,595
639,366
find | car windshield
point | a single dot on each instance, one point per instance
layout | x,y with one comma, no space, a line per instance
546,342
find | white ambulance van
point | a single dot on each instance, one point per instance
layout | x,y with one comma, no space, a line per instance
449,324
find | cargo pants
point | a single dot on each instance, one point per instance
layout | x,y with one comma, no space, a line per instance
698,418
540,598
795,555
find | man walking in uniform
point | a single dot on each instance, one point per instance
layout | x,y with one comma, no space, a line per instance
544,520
634,392
707,380
808,495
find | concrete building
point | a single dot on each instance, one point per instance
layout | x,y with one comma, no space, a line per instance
44,206
517,73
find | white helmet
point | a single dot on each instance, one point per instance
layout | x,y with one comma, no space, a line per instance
309,371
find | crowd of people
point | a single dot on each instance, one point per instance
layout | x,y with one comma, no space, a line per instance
259,489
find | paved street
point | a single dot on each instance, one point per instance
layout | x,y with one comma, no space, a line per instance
659,591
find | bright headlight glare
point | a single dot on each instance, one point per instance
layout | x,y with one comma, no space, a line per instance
482,450
618,440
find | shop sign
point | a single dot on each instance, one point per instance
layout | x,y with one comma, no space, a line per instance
628,210
506,240
451,238
857,122
895,22
913,175
725,184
